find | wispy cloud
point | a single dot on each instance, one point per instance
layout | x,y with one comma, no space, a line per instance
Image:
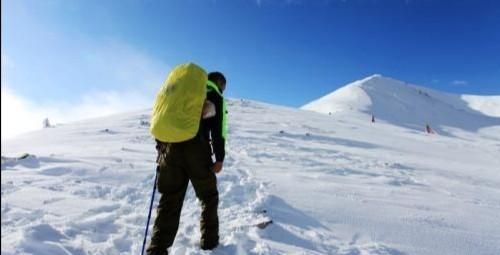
20,115
120,77
459,83
116,64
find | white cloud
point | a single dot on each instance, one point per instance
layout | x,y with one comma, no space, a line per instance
19,115
121,78
112,63
110,102
459,82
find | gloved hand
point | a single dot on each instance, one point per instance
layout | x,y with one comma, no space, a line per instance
217,167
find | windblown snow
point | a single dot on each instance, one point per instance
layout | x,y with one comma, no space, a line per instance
331,184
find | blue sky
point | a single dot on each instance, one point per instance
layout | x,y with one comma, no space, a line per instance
65,58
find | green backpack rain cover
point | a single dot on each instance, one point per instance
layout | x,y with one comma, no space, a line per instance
179,103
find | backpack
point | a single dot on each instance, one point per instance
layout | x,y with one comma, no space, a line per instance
178,106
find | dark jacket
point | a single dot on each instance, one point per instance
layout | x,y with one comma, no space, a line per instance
212,127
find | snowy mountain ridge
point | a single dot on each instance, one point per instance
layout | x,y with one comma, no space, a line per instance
408,105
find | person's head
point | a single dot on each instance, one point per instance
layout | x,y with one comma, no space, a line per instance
219,80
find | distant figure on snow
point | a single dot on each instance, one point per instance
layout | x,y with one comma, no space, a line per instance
373,118
428,129
46,123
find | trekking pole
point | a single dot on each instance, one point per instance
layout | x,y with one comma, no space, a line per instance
149,214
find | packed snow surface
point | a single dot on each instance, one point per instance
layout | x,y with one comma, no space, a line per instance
331,184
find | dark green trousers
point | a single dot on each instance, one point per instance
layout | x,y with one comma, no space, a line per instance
179,163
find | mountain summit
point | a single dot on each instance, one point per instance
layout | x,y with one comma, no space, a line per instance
408,105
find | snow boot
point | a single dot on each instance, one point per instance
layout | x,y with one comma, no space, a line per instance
209,245
159,253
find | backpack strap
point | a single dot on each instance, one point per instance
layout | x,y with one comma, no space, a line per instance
212,87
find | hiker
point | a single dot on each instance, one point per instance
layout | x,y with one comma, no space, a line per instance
428,129
181,160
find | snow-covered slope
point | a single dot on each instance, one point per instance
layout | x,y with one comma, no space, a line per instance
410,106
488,105
339,185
